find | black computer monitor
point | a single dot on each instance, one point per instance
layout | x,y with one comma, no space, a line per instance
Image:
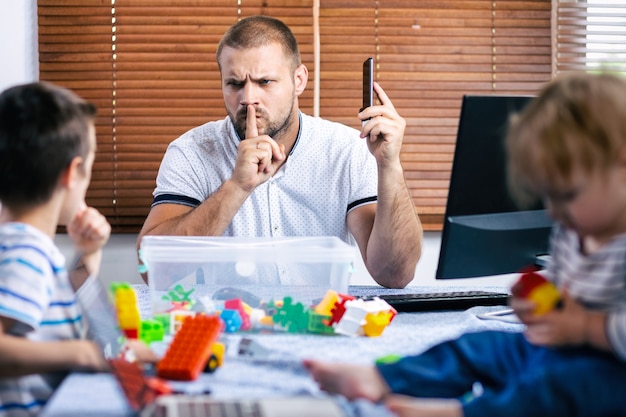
484,231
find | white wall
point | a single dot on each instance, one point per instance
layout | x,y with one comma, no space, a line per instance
18,42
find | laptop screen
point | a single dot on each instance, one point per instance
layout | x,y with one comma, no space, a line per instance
100,317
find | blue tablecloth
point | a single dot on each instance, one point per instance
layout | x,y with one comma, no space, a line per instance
279,373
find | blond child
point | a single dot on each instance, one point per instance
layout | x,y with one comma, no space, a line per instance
568,147
47,145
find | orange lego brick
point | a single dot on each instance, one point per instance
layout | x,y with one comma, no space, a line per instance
188,353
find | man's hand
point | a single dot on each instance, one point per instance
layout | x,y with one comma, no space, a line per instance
384,129
389,234
258,157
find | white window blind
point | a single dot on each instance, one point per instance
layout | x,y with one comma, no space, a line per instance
590,36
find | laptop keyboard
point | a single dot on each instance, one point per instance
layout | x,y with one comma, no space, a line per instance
204,407
437,301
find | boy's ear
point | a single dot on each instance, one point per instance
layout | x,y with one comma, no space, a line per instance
70,175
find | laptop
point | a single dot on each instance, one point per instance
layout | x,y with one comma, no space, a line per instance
143,397
100,317
205,406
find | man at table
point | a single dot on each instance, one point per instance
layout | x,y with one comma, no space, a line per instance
270,170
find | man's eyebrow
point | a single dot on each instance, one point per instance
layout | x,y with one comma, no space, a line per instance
260,78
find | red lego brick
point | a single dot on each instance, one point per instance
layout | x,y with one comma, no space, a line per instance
339,309
133,382
534,287
188,353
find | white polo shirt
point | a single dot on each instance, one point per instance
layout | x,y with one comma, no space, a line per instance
328,173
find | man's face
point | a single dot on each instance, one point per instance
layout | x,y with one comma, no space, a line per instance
263,77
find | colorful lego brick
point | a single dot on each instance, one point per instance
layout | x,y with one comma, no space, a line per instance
177,317
190,350
292,316
128,316
388,359
325,307
237,304
218,350
353,318
152,331
378,305
180,306
259,319
131,333
317,323
367,317
164,319
232,320
137,390
178,294
534,287
379,315
339,309
376,323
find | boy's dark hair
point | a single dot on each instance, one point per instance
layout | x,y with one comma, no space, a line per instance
257,31
42,128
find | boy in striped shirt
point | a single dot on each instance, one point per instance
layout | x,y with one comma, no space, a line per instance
47,146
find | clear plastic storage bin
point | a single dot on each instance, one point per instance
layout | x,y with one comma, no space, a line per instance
253,269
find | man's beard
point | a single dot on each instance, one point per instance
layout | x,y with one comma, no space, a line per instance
273,129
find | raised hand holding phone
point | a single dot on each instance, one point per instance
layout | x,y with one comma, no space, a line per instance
381,123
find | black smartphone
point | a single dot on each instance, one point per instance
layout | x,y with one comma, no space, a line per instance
368,83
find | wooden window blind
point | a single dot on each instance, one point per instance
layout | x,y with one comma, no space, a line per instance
75,52
150,67
427,55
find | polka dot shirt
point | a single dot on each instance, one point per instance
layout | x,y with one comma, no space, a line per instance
328,173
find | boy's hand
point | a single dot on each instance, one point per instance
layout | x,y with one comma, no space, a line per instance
86,355
537,290
141,351
566,326
89,230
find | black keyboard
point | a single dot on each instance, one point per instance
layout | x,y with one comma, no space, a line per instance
437,301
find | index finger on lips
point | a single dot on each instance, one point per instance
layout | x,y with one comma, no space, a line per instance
251,128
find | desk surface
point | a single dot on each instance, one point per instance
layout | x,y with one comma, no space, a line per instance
281,374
